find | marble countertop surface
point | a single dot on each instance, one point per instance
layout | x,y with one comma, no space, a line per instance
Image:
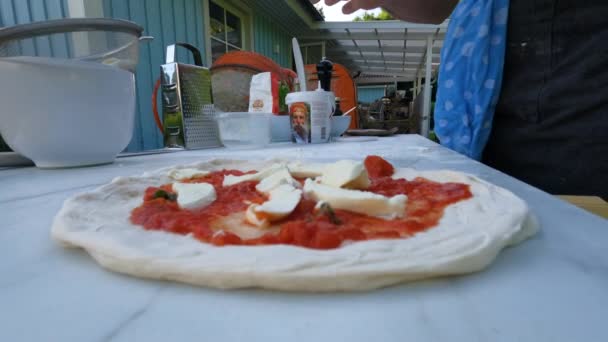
553,287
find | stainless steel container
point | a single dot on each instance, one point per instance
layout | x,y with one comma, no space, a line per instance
187,103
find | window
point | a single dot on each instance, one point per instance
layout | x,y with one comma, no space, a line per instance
312,53
227,29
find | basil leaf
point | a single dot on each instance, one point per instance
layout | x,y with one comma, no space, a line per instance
160,193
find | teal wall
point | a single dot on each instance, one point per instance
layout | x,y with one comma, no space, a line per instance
266,36
167,21
24,11
369,94
13,12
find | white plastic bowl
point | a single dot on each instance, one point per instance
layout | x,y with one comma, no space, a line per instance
73,107
65,113
339,125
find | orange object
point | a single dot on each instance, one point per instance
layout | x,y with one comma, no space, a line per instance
157,119
342,84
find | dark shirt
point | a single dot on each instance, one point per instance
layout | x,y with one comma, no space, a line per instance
551,122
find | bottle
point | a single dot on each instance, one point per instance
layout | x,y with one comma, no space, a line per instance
338,111
296,85
283,91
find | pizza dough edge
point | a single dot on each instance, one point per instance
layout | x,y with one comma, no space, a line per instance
355,270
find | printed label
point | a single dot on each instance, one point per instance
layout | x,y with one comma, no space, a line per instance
309,122
299,113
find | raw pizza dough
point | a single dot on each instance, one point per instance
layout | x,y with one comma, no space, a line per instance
468,238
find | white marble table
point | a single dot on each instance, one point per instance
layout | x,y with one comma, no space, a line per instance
553,287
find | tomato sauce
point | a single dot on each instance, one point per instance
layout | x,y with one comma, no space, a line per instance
305,227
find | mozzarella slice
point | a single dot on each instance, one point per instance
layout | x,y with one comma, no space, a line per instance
252,217
278,178
305,170
362,202
181,174
346,173
258,176
283,200
194,195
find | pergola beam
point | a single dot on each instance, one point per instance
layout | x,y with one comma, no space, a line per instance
394,67
399,64
385,48
371,36
382,25
388,73
385,52
387,59
382,80
387,68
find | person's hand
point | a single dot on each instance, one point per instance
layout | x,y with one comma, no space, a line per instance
417,11
355,5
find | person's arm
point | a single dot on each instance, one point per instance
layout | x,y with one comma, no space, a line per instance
416,11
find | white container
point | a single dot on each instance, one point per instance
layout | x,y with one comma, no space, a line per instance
244,130
69,107
310,113
65,113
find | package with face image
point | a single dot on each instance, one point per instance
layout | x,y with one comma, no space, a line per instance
310,116
300,122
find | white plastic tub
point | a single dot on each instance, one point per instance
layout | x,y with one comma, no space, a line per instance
244,130
281,128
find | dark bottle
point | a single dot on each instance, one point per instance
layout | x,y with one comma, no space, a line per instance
338,111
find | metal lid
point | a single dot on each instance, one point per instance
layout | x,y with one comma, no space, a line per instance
42,28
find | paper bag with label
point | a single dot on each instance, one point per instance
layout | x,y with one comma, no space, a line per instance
264,93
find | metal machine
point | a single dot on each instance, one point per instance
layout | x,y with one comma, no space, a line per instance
187,103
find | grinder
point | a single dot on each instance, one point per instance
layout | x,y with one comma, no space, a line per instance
324,71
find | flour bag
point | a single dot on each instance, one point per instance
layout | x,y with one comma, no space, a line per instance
264,93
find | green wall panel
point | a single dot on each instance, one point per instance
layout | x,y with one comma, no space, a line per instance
168,21
266,36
